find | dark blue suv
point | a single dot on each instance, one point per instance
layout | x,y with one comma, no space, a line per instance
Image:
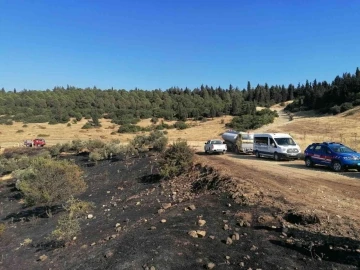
334,155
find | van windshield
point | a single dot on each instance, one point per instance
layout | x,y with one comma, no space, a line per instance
285,141
216,142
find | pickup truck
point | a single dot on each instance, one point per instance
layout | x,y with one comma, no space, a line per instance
38,142
215,146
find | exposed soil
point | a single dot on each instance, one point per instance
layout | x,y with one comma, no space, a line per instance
245,204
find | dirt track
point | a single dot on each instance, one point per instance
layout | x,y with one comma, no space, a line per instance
334,197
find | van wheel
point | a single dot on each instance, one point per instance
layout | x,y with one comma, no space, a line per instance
336,165
276,157
257,154
308,162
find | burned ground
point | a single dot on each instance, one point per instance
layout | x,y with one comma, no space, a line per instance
141,222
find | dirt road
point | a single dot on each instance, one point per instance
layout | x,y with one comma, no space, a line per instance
334,197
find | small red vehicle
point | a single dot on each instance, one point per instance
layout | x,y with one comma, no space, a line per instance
38,142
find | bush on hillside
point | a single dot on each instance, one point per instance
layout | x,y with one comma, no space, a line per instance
155,140
128,128
346,106
175,160
180,125
48,182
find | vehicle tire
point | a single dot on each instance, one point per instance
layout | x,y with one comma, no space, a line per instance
276,157
358,170
336,165
206,152
308,162
257,154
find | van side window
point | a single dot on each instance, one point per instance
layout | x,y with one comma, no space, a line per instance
272,142
261,140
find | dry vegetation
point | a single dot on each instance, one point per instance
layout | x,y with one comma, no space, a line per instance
306,127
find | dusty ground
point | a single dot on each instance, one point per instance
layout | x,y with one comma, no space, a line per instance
247,232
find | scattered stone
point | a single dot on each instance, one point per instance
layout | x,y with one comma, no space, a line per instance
235,236
152,228
163,220
90,216
212,237
117,225
201,222
253,248
43,258
229,204
83,246
108,192
199,260
284,234
226,227
227,257
74,238
161,211
166,205
113,236
201,233
225,221
113,204
138,203
210,265
241,264
358,250
192,207
193,234
229,241
108,254
186,209
93,244
152,268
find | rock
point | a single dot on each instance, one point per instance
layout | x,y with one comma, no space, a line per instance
235,236
108,192
93,244
227,257
229,241
241,264
152,268
163,220
113,236
90,216
152,228
108,254
117,225
161,211
199,260
358,250
192,207
43,258
193,234
253,248
201,233
210,265
166,205
83,246
226,227
138,203
201,222
241,223
212,237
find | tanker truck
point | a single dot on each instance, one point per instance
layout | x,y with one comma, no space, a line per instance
239,142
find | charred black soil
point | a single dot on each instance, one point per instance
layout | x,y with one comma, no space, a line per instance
141,222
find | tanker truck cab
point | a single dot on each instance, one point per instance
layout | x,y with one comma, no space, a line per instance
276,145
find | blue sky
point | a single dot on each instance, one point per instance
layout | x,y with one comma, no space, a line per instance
162,43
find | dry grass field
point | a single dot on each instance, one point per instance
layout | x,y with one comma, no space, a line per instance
306,127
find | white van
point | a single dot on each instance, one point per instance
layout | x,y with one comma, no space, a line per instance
276,145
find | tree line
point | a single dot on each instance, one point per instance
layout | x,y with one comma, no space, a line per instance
125,107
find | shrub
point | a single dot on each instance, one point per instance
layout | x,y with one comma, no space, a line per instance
43,135
68,125
154,120
94,144
335,109
180,125
25,126
49,181
128,128
66,229
20,131
177,159
86,126
346,106
155,140
95,155
2,228
77,208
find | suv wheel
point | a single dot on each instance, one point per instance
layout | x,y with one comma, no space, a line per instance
336,165
257,154
308,162
276,156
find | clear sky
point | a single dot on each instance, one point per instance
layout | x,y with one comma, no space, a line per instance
162,43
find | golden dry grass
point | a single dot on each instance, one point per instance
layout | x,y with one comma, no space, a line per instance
306,127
